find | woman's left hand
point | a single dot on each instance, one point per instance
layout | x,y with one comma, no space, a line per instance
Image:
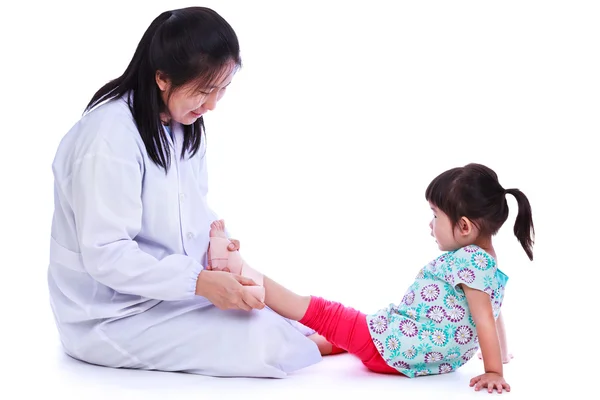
234,245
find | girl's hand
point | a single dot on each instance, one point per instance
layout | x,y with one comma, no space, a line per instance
490,380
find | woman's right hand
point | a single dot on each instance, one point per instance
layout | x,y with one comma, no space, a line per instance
226,290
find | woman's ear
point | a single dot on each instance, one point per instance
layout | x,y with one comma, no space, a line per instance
162,81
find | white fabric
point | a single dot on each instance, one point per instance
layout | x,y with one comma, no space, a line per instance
128,242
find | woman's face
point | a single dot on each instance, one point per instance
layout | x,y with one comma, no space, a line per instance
187,103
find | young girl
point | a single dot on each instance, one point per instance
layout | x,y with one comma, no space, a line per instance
453,307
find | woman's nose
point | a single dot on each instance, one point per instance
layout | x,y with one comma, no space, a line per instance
211,101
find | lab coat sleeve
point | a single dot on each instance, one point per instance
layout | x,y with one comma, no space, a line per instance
108,212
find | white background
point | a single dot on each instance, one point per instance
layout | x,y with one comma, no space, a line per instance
320,153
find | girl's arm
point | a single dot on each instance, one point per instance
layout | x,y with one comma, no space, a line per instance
483,316
502,338
506,356
481,309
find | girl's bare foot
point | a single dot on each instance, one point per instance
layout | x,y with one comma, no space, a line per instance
221,259
324,346
217,229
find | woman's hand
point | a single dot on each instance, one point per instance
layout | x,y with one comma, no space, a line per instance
226,291
491,381
234,245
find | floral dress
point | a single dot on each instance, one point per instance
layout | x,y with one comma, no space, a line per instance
432,330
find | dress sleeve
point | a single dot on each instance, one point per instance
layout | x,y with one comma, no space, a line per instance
472,267
108,210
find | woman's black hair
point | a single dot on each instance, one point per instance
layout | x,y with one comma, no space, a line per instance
190,46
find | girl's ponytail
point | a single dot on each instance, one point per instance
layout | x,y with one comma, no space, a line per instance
524,230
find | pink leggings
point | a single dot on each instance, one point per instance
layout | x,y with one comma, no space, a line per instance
347,329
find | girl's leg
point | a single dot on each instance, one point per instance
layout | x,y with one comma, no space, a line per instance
344,327
222,259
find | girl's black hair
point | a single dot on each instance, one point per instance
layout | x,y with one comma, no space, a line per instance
191,45
474,192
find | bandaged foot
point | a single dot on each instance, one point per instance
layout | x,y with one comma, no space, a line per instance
223,259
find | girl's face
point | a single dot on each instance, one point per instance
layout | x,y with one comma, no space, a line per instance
441,230
188,103
447,237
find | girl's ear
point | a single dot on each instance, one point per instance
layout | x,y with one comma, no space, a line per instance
465,226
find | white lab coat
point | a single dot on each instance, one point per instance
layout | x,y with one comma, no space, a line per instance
128,242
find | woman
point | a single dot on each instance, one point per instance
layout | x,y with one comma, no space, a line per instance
127,277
